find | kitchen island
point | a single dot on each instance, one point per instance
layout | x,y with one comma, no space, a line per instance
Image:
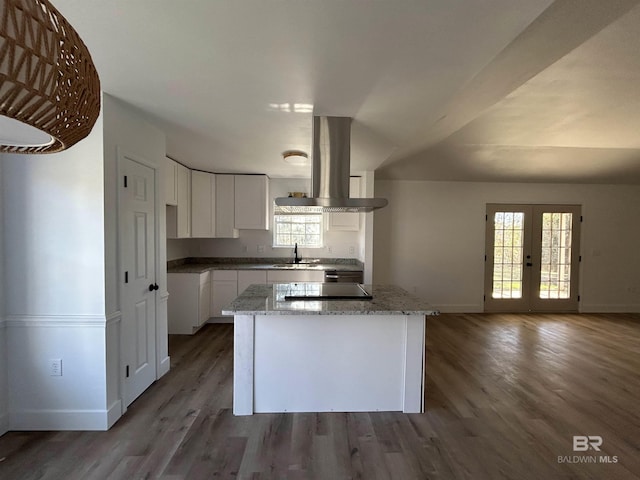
328,355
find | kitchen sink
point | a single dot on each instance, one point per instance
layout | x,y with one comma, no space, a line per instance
298,266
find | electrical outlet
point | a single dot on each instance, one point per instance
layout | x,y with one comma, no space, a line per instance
55,367
260,248
245,249
352,250
330,249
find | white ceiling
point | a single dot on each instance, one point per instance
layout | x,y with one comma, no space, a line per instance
490,90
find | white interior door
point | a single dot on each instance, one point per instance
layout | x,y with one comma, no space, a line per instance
137,254
532,258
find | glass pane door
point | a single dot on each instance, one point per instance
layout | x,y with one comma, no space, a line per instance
532,258
506,276
556,238
508,248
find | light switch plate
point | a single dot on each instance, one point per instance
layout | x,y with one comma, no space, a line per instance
55,367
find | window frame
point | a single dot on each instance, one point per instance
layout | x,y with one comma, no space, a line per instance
318,220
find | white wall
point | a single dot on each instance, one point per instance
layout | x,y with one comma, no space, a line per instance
4,383
126,131
249,241
60,253
430,240
178,248
54,286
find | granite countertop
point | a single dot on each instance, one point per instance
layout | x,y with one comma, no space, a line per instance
269,300
200,265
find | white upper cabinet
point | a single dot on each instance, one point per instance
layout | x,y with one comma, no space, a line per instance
346,221
171,182
203,198
184,202
224,207
179,217
211,205
251,202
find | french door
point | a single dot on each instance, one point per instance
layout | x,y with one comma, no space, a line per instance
532,257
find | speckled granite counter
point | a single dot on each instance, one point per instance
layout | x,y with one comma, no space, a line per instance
199,265
269,300
328,355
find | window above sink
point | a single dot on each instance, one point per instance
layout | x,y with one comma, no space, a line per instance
305,230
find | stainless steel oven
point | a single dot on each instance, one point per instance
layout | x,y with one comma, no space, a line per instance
343,276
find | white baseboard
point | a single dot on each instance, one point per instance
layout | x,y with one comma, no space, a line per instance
610,308
4,423
461,308
165,365
114,413
54,420
588,308
4,382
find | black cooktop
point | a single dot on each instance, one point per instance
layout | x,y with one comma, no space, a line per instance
327,291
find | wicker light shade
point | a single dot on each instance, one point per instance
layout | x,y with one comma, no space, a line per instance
47,78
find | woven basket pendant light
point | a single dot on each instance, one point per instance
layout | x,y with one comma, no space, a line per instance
49,87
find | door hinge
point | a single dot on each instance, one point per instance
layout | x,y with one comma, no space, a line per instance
578,297
125,181
485,258
127,371
580,218
486,218
484,298
579,258
126,277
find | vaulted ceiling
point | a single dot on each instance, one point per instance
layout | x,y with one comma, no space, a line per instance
492,90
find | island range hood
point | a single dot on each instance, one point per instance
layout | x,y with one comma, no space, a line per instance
330,173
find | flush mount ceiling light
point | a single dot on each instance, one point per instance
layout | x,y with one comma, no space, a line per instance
49,87
295,157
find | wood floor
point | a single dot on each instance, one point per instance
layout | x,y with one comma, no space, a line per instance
505,396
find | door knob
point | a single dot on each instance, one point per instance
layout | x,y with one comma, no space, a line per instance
153,286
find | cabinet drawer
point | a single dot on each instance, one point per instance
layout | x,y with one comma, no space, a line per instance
225,275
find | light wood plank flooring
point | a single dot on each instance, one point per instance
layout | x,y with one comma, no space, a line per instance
505,396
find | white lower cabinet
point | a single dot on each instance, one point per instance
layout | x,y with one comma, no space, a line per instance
189,301
195,298
288,276
204,300
249,277
224,289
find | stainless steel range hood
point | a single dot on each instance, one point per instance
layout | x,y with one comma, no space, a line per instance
330,173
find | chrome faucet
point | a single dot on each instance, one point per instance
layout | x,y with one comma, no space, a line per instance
296,258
